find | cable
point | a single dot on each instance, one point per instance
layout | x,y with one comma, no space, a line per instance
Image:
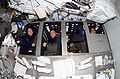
51,3
20,77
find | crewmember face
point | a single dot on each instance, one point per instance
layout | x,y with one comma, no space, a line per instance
93,31
30,32
53,34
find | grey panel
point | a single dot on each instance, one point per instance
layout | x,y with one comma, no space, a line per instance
97,43
113,32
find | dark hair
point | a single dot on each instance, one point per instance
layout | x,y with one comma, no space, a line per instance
53,29
33,29
1,19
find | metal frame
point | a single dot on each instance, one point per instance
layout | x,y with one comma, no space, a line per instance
90,37
64,39
39,38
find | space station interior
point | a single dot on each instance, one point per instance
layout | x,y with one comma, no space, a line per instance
57,40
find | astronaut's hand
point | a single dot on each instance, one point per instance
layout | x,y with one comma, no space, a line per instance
33,45
44,44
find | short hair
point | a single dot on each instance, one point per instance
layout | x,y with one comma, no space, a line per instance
29,26
53,30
